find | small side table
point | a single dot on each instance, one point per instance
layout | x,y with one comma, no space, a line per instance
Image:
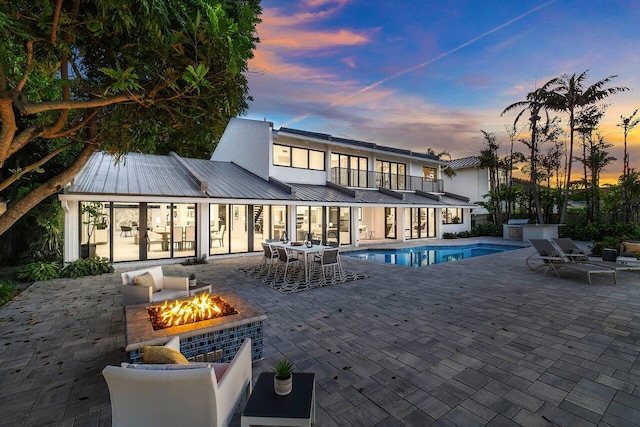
199,287
266,408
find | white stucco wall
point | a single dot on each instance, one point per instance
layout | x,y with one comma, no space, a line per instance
470,182
246,143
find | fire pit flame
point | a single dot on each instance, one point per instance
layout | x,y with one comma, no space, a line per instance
180,312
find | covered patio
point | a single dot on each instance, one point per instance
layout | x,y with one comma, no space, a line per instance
482,341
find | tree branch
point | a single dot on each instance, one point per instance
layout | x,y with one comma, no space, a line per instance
27,68
20,140
16,176
27,108
9,127
55,21
52,186
49,133
3,79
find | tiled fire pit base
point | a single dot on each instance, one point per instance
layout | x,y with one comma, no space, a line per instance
209,340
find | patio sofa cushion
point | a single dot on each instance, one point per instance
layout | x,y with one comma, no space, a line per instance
156,354
630,248
145,279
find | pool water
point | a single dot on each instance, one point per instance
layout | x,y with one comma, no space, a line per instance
426,255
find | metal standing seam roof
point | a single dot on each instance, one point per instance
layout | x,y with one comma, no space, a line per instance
155,175
464,162
320,193
361,144
228,180
136,174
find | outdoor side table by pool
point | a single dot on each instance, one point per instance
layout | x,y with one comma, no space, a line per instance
266,408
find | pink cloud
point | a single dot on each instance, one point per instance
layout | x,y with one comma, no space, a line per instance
309,40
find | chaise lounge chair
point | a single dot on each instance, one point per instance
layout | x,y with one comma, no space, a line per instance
575,254
553,258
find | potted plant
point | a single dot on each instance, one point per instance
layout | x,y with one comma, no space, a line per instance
192,279
93,217
283,378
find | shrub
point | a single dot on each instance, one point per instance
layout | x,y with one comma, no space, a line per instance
606,243
487,229
92,266
198,260
448,235
37,271
7,291
597,232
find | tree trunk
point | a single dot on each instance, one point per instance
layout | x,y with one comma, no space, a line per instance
563,211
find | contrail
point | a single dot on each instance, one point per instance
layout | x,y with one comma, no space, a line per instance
431,61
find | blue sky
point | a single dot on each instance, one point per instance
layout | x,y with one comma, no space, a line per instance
423,74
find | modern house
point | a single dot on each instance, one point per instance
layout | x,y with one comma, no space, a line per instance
259,183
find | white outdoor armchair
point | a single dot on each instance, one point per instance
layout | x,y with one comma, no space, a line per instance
166,287
152,395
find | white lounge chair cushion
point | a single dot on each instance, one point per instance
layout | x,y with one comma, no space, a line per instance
218,368
168,294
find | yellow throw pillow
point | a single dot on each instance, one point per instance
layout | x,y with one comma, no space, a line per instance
631,247
154,354
145,279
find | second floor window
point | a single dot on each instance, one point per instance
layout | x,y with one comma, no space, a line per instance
390,175
349,170
284,155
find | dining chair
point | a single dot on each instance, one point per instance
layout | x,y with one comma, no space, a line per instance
218,236
190,236
286,259
178,238
268,257
330,259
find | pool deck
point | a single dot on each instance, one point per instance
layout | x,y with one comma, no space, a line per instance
480,341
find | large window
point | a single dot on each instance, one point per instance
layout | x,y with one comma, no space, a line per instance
339,225
390,223
420,223
349,170
452,216
295,157
391,175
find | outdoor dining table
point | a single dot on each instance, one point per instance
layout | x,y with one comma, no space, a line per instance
307,254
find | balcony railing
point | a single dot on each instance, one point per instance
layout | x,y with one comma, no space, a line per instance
391,181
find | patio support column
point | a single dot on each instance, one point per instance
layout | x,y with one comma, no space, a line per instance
439,223
355,227
203,229
402,225
71,230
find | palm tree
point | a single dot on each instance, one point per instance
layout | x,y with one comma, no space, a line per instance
535,103
627,124
570,95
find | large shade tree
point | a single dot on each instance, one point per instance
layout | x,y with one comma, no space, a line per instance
114,75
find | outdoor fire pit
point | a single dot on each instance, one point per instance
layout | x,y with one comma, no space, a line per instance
181,312
209,339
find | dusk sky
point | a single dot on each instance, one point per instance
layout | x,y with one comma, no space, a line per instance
416,74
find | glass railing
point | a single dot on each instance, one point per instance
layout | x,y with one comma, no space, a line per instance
364,179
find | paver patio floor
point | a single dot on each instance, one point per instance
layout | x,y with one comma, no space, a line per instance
483,341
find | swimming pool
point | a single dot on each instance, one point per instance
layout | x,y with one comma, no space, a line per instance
420,256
